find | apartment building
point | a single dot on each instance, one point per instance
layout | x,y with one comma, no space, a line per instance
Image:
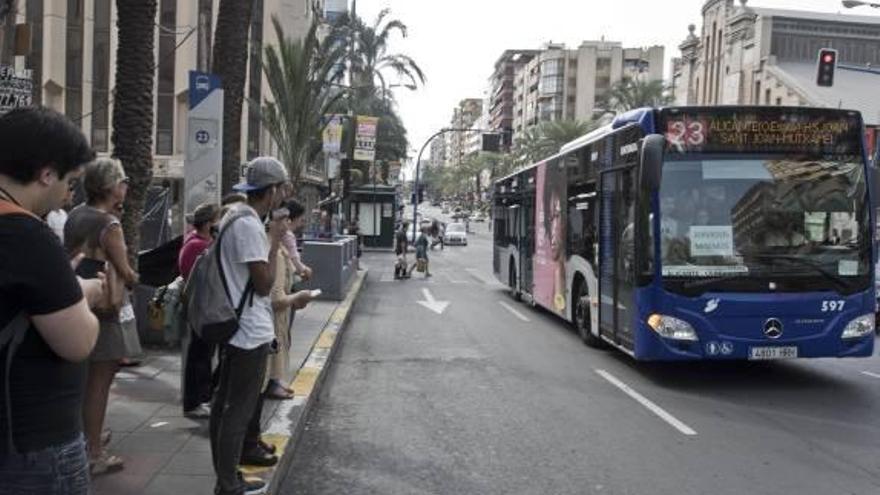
558,83
501,85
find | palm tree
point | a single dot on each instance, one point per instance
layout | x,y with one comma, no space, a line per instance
132,136
547,138
371,61
229,61
629,93
297,71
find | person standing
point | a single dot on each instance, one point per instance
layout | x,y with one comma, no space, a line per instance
401,245
249,257
94,230
42,449
422,245
285,300
197,374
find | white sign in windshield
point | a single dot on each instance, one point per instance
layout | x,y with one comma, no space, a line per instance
715,240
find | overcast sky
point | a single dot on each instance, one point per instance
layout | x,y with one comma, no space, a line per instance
456,42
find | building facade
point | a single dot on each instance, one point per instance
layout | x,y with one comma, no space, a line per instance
568,84
73,56
501,85
751,55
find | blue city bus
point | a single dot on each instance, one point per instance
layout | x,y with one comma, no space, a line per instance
685,233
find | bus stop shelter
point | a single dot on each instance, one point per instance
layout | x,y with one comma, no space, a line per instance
374,205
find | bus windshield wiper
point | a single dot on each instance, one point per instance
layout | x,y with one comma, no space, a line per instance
691,285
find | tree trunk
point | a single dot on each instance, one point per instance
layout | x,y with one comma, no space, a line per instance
133,108
229,61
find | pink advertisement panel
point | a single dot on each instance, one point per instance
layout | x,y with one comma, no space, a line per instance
550,225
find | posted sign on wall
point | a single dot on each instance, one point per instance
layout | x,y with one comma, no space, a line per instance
365,139
16,88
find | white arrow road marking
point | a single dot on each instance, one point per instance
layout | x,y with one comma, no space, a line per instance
515,312
868,373
434,305
641,399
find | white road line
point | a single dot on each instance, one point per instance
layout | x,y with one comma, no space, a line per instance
514,311
868,373
641,399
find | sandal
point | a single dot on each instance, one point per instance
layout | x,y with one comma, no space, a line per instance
105,464
106,436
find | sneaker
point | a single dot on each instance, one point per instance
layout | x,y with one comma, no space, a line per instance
202,411
258,457
254,486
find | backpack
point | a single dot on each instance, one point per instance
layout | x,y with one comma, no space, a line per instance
11,337
210,311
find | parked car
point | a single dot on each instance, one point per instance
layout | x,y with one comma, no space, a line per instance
479,217
455,234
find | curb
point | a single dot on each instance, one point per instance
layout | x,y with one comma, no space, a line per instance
286,425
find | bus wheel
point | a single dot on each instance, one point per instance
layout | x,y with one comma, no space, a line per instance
582,320
511,281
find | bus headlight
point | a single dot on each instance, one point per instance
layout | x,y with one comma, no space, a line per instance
859,327
672,328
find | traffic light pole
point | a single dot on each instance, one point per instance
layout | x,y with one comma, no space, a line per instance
418,169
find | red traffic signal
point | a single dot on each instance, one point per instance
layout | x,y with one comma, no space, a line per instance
827,65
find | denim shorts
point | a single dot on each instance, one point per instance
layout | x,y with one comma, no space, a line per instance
57,470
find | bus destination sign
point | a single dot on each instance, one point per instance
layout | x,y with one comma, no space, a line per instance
762,130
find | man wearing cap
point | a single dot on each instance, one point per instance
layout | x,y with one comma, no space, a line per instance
248,256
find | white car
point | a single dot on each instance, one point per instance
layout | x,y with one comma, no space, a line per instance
455,234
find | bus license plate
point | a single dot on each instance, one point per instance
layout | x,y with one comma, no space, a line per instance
761,353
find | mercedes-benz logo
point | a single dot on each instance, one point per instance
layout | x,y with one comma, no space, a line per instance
773,328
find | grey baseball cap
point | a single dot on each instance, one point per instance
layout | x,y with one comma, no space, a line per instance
262,172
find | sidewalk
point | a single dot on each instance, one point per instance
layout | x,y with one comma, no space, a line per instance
168,454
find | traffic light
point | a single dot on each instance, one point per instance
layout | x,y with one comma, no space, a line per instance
492,142
827,64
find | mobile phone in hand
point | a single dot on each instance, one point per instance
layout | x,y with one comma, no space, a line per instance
90,267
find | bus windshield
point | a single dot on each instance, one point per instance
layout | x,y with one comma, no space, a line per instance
764,224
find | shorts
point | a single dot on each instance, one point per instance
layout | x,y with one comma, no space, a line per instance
117,338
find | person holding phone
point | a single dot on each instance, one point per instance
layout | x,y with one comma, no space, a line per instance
42,160
284,300
93,229
197,373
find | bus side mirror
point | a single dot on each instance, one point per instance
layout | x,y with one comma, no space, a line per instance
652,161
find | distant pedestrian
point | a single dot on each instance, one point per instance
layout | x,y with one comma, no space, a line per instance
401,245
42,449
249,257
93,229
198,382
422,244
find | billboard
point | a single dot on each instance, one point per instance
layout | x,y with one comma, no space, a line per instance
16,88
550,249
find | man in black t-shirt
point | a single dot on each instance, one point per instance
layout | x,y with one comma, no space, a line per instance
42,449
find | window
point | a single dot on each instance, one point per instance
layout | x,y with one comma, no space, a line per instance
74,67
101,77
778,101
767,96
757,96
165,93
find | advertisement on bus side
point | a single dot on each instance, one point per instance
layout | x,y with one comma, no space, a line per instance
550,250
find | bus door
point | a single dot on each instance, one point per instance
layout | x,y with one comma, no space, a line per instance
617,307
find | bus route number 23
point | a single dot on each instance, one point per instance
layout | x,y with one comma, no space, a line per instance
686,133
832,306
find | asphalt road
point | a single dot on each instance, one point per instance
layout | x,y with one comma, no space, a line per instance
494,397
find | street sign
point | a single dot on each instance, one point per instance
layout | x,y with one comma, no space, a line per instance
204,151
365,138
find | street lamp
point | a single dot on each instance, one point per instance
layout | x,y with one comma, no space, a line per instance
856,3
419,164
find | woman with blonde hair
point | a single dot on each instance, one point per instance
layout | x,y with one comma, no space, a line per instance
94,230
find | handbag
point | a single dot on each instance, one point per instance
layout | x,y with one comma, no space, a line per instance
421,265
156,310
